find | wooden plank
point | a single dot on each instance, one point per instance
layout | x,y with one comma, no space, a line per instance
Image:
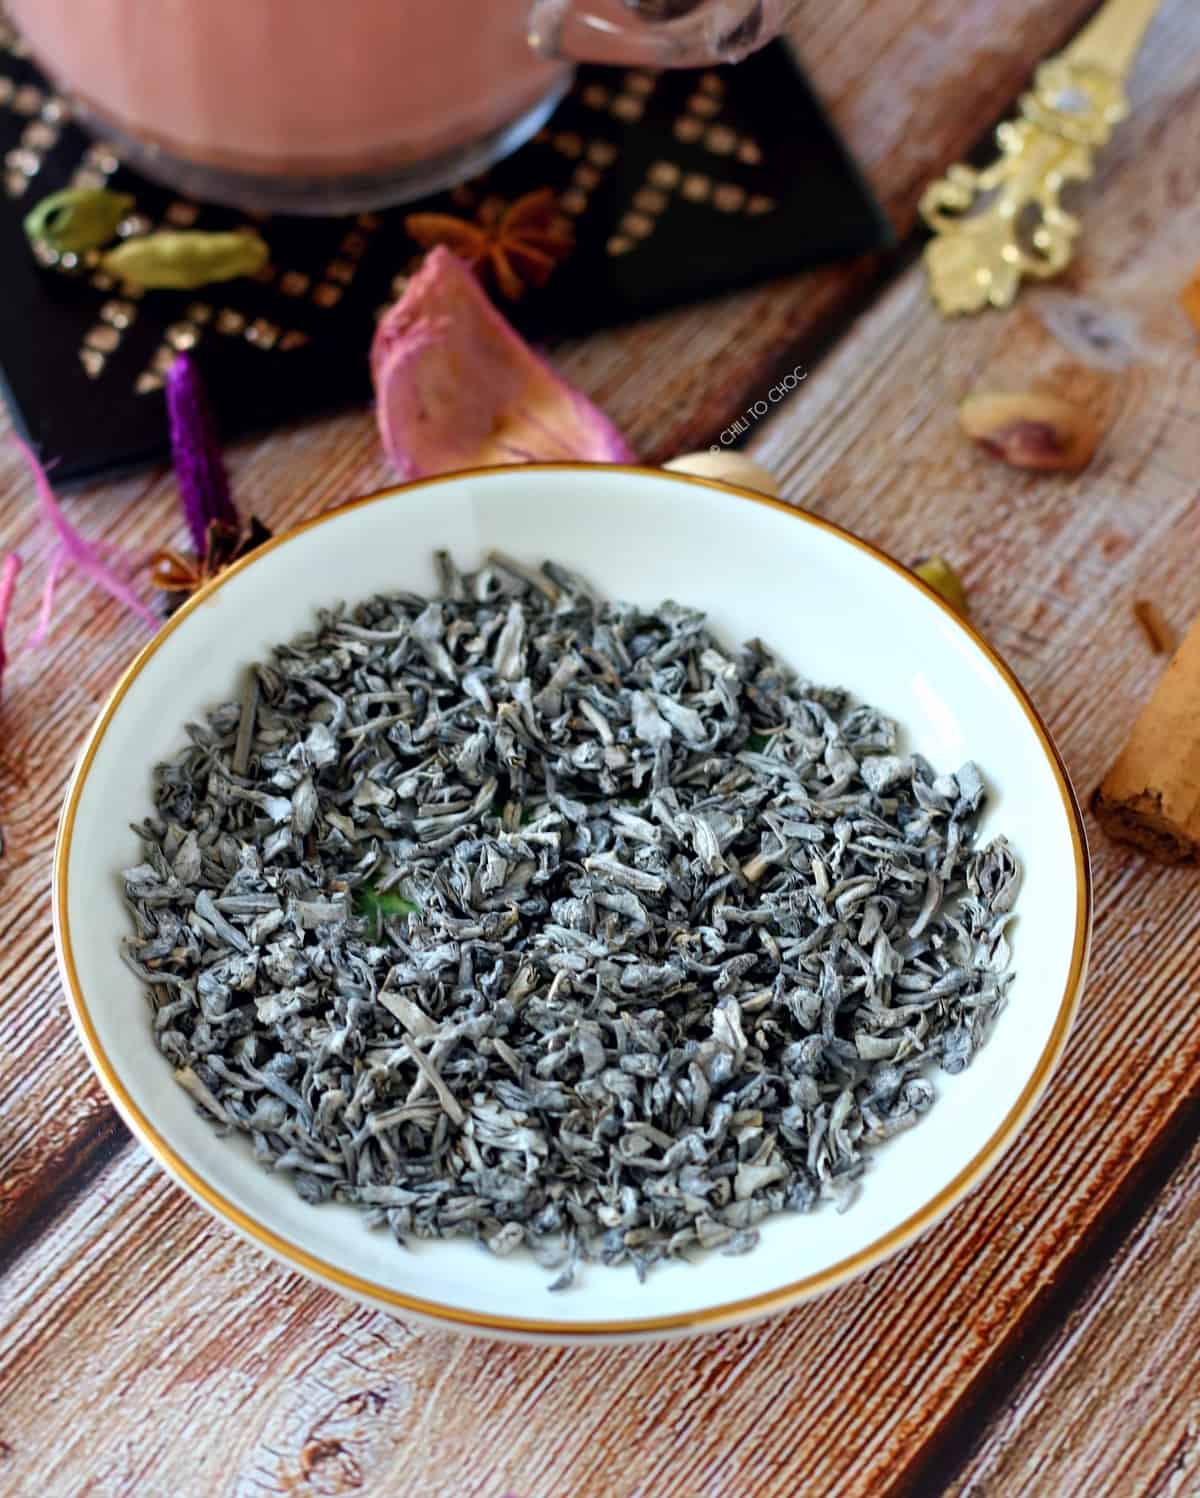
1113,1404
134,1302
893,75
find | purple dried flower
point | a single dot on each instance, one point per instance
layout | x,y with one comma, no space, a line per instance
203,482
8,583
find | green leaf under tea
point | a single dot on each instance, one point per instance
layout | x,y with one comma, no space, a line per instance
377,906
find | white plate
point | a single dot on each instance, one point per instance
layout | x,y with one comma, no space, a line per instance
836,610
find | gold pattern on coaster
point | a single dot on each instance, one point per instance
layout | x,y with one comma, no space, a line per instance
230,322
118,314
38,136
326,295
102,337
181,214
720,139
93,362
294,283
996,226
263,333
728,197
103,157
650,200
28,99
355,244
182,335
637,224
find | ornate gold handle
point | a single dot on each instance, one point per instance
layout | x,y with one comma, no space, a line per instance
995,226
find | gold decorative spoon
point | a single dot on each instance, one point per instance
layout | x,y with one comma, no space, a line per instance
995,226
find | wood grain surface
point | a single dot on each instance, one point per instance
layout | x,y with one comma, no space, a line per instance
1043,1338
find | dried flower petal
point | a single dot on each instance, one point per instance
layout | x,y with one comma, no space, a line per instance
77,218
1190,298
8,584
203,482
727,468
942,578
1031,429
456,386
183,259
73,551
1155,626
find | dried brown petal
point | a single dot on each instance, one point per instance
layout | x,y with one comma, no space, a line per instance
1155,627
1190,298
1031,429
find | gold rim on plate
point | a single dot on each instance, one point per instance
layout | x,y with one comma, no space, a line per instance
712,1317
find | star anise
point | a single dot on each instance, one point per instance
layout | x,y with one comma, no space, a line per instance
179,575
518,244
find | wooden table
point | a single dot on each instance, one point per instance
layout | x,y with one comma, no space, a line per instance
1044,1339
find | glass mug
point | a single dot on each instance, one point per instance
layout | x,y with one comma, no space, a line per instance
299,106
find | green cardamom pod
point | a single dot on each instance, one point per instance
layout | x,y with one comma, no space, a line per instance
77,219
181,260
942,578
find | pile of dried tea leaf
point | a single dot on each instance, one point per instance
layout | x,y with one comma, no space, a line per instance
553,922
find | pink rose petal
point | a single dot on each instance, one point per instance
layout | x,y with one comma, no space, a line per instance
457,387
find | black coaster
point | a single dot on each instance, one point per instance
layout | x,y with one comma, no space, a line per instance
681,185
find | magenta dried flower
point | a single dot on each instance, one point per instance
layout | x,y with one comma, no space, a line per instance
8,585
203,483
72,550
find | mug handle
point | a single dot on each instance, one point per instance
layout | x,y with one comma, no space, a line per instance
655,33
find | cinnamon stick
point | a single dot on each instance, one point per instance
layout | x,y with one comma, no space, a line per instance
1151,796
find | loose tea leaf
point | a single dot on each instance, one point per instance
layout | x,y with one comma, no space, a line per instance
556,923
183,259
77,219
